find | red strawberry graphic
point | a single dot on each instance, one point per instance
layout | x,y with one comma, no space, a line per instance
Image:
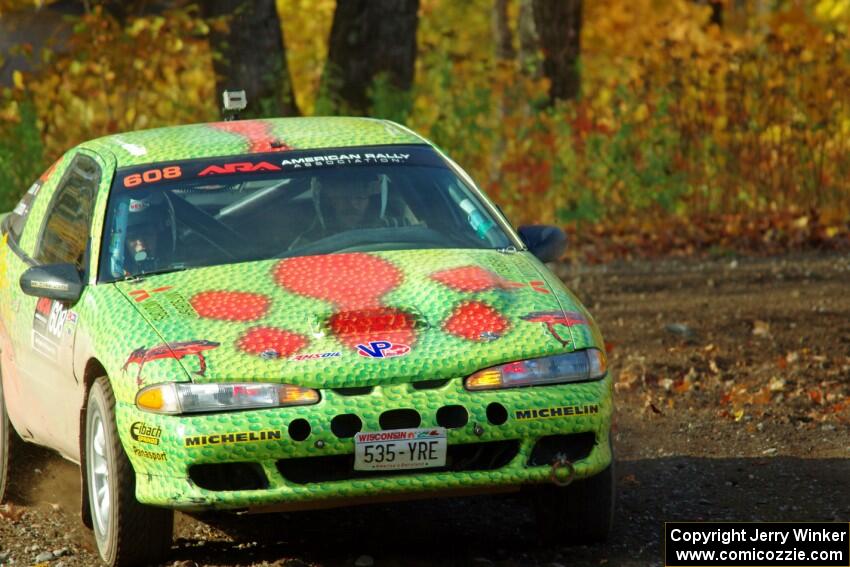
351,281
379,323
472,279
277,343
476,321
230,305
258,133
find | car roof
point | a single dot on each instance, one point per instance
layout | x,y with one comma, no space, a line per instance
217,139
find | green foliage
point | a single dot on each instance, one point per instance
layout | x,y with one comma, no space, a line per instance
677,117
388,101
21,157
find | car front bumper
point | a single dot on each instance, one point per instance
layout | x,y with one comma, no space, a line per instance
250,460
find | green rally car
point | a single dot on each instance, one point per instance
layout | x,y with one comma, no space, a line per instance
287,314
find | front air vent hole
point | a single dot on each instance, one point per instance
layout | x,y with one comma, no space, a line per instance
496,413
346,425
452,417
430,384
299,429
400,419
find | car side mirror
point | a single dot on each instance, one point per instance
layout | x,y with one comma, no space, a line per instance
544,241
61,282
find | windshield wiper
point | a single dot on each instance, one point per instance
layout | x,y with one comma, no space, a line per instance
168,270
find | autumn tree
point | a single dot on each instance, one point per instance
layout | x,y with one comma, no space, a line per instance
250,54
371,57
558,26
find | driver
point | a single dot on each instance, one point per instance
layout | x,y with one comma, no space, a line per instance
145,223
345,201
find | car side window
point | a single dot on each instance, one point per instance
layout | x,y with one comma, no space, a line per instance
67,225
14,224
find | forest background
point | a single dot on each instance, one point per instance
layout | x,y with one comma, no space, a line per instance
643,127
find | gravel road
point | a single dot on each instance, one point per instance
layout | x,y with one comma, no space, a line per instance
733,403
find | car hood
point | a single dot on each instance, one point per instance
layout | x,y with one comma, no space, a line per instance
358,319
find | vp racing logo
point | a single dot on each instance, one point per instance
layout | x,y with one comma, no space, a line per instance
382,349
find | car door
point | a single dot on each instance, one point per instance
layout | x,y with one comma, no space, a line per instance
15,258
44,337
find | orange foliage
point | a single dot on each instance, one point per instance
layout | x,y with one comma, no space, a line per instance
683,131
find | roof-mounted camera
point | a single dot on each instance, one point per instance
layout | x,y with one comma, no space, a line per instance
234,102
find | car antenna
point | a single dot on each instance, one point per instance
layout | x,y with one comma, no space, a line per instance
234,102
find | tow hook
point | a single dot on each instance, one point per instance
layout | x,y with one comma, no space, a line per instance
561,477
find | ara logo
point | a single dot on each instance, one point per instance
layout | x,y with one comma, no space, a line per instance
382,349
240,167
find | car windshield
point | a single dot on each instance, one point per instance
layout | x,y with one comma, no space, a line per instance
169,216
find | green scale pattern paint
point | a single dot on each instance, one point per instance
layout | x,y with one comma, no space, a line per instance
458,310
249,136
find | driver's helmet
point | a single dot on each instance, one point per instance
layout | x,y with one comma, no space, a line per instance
143,235
351,194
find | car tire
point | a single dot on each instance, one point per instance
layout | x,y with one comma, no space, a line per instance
7,436
579,514
127,532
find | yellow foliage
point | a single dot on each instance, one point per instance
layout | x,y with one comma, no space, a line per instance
306,27
156,71
676,115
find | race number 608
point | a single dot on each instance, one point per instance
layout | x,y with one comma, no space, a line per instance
152,176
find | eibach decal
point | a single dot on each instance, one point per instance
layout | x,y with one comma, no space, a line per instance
176,351
553,318
144,433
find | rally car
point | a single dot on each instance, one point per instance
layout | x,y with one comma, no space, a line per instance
287,314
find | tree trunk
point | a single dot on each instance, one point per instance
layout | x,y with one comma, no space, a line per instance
529,43
251,55
502,31
558,24
371,57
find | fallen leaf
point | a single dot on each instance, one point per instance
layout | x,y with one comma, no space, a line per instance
761,328
11,512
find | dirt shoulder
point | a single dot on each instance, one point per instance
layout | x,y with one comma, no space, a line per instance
733,403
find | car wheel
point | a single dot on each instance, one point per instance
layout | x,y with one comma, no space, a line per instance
127,532
6,437
581,513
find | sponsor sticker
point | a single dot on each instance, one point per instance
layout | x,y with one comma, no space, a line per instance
150,455
144,433
555,412
230,438
240,167
364,158
382,349
315,355
47,324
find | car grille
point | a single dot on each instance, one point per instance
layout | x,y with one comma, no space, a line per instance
486,456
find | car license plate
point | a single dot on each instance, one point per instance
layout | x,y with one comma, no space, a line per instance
400,449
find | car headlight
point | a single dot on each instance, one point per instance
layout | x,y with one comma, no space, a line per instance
177,398
578,366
